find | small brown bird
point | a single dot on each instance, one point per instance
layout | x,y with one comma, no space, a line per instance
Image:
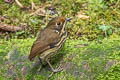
49,41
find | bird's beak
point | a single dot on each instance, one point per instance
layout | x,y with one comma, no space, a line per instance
68,19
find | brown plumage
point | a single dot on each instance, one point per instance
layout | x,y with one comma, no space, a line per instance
43,44
49,41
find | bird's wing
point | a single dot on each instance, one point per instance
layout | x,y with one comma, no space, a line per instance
45,41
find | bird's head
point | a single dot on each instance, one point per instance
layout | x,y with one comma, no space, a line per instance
58,23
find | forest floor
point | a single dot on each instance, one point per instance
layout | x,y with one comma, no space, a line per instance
79,59
91,52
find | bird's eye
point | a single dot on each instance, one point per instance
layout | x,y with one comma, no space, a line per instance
58,23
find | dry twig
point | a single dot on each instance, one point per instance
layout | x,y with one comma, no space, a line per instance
19,4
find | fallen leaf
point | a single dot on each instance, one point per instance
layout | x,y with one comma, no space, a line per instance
82,16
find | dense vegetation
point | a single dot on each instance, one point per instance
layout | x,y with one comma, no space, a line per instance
92,48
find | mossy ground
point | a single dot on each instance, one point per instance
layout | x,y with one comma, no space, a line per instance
87,54
96,60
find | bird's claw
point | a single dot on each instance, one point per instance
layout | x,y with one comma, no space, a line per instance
54,71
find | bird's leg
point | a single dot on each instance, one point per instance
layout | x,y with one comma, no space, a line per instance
41,64
53,70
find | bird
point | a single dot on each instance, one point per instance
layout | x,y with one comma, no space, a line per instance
50,40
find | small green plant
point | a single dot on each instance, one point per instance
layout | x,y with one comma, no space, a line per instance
107,29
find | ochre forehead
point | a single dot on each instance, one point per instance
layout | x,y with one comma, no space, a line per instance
60,19
57,19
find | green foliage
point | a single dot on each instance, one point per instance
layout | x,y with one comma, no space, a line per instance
104,27
100,12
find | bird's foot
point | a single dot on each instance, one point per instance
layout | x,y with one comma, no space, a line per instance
40,69
55,71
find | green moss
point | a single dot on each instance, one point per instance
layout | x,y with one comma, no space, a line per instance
99,12
88,62
95,61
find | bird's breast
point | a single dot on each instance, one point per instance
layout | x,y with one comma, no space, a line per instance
52,51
